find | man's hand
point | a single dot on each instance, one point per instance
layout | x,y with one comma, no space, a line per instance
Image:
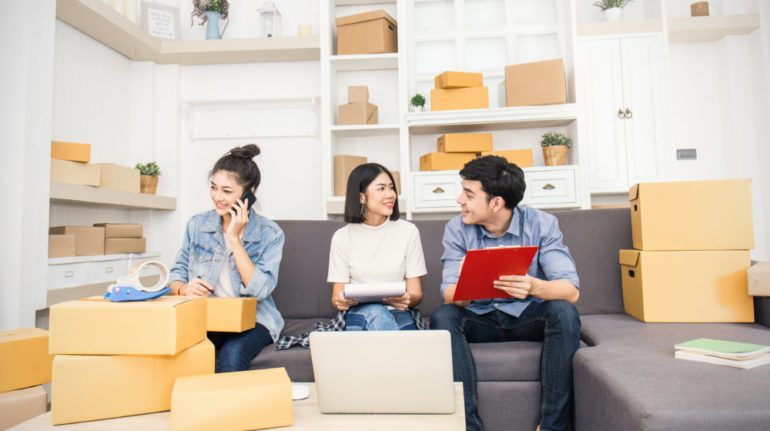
518,286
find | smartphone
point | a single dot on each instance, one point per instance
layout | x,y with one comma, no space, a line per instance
250,196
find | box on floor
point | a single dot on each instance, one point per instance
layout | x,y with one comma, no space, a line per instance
24,358
21,405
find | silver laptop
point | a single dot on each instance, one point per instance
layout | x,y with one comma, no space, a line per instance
383,371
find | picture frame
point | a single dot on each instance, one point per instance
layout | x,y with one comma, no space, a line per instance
160,20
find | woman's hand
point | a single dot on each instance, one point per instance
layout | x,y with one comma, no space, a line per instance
196,287
339,301
239,218
400,303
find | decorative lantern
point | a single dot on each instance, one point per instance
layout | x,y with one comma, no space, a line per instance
271,19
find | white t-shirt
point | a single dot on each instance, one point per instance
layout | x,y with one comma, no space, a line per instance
387,253
224,287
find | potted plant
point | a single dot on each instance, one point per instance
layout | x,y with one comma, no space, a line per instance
211,11
612,8
555,148
149,177
417,102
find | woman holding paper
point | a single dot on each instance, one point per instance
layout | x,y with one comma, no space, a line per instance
377,250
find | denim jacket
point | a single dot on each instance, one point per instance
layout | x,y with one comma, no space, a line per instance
203,252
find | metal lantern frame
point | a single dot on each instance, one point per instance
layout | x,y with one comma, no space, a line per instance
270,18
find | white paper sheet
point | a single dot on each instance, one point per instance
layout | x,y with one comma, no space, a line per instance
373,292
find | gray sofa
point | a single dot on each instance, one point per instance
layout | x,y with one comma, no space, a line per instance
626,376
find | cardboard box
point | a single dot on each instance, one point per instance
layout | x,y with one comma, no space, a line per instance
63,171
71,151
99,387
458,80
119,177
343,166
245,400
692,215
230,314
445,161
24,358
124,245
759,279
521,158
459,98
95,326
396,180
122,230
61,245
358,113
686,286
19,406
89,241
358,94
464,142
373,32
538,83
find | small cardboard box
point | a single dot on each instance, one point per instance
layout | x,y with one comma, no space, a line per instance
122,230
95,326
445,161
686,286
521,158
459,98
89,241
124,245
458,80
119,177
230,314
692,215
71,151
373,32
61,246
759,279
343,166
464,142
89,387
358,94
358,113
64,171
245,400
538,83
396,180
19,406
24,358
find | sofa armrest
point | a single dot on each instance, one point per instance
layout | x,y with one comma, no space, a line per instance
762,310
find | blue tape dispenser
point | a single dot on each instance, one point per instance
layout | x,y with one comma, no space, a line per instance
130,287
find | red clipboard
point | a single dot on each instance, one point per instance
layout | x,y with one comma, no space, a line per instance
484,266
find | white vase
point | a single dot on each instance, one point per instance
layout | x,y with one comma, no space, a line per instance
612,14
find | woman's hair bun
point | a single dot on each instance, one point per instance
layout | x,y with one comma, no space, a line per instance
247,152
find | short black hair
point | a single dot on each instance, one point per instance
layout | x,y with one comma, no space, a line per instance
498,177
358,181
239,162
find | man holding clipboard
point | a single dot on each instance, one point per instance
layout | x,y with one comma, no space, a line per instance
537,304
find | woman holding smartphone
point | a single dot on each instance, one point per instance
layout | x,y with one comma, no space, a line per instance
231,251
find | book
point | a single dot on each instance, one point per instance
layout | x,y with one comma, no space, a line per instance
483,266
722,352
373,292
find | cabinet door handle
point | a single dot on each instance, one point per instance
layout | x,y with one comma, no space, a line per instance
549,186
438,190
628,113
69,274
620,113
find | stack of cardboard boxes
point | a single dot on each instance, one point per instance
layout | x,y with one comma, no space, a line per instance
123,238
24,365
70,164
99,239
459,90
691,242
457,149
358,110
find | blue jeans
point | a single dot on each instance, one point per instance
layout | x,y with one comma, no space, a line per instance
376,317
556,323
236,350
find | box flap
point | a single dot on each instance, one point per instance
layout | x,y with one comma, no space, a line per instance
633,192
629,257
363,17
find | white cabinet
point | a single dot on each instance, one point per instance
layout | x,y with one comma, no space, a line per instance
621,86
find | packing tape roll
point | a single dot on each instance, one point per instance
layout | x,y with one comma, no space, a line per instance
132,278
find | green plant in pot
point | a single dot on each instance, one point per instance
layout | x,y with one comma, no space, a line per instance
149,177
417,102
612,8
555,148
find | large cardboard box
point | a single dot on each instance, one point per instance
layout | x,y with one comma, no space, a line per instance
686,286
459,98
521,158
372,32
71,151
245,400
358,94
445,161
95,326
464,142
119,177
19,406
64,171
231,314
759,279
124,245
538,83
87,387
343,166
458,80
61,246
89,241
122,230
358,113
24,358
692,215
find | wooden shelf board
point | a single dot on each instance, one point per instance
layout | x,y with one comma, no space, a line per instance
365,130
710,28
492,119
88,195
344,63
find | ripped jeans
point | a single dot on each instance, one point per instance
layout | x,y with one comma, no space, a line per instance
378,317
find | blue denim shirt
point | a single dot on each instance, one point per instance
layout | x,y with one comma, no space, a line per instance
529,226
203,253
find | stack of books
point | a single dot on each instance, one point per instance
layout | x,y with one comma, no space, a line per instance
730,353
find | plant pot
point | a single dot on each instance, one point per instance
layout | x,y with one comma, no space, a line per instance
417,108
148,184
612,14
212,25
700,8
555,155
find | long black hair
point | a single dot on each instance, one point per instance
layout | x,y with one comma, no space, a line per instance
240,162
358,181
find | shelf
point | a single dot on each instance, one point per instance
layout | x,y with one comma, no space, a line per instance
710,28
98,20
336,205
365,130
523,117
77,194
361,2
620,27
342,63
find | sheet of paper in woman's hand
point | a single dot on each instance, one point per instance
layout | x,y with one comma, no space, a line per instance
373,292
